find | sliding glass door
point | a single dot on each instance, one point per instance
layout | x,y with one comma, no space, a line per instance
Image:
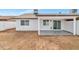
56,24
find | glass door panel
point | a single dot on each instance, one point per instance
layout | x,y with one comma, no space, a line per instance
56,24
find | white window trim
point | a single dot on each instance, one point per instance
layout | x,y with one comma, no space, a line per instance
25,23
46,23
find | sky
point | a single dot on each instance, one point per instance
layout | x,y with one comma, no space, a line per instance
14,12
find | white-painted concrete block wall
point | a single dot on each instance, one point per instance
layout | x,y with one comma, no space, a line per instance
4,25
47,27
50,26
33,26
68,26
65,25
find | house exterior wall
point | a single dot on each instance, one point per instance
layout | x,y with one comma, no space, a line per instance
68,26
50,26
33,25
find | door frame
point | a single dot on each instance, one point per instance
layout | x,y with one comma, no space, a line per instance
57,25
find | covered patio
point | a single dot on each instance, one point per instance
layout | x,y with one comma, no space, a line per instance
66,29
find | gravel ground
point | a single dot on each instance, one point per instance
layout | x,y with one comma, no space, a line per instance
12,40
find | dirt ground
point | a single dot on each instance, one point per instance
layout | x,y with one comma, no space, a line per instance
12,40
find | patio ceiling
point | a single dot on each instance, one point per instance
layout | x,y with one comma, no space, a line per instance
69,19
77,18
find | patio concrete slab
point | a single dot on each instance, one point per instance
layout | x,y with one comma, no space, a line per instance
51,32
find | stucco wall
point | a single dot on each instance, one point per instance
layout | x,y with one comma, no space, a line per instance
33,25
4,25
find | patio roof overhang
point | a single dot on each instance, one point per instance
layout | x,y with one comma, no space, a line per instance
57,14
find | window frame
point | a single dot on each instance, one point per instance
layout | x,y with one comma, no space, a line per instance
56,24
24,22
45,22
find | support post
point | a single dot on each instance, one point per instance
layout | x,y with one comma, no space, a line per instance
74,26
38,26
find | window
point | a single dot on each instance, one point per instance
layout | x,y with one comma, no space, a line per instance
24,22
45,22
